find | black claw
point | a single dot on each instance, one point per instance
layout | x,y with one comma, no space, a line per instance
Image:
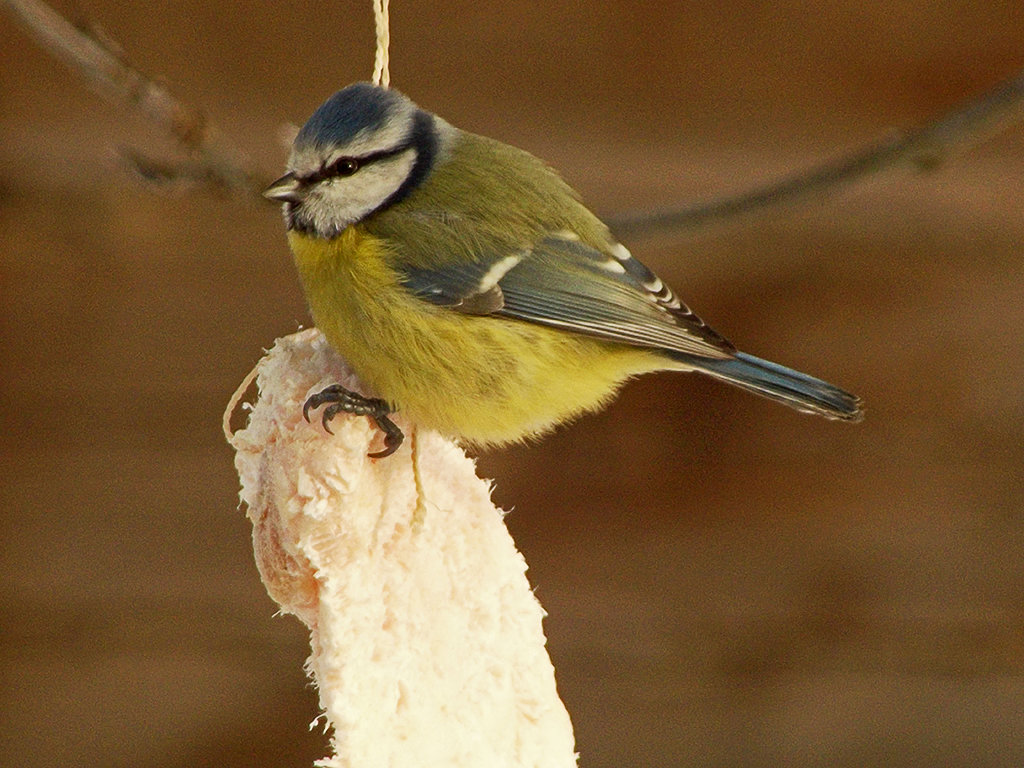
393,436
344,400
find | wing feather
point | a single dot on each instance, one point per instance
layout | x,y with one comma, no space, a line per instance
562,282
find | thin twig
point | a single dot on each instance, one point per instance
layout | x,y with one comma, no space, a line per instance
215,162
924,149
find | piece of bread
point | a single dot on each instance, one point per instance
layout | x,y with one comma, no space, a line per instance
427,646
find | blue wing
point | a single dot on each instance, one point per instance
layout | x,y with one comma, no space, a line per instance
562,282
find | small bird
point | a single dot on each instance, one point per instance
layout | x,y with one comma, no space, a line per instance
466,284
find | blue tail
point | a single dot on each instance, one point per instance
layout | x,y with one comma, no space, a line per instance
795,389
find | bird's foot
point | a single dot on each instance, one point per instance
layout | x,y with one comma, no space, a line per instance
338,400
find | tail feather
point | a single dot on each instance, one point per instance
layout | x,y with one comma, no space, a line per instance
795,389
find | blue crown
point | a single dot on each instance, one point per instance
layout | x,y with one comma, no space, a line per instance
355,108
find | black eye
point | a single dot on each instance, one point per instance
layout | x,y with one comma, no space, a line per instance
345,166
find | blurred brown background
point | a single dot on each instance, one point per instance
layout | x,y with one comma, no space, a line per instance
729,583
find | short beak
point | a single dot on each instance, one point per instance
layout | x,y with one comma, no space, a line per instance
287,189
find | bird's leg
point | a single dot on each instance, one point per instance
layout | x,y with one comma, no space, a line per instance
339,399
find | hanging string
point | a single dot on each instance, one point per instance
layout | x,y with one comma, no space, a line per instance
381,75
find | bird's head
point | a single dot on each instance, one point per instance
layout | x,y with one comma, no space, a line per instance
363,150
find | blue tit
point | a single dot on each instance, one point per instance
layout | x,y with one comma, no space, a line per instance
468,287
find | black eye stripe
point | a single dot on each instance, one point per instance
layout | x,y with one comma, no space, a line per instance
347,166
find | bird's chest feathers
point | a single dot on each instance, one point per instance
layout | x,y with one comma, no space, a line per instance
348,284
356,300
342,274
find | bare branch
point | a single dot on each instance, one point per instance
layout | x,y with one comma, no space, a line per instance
924,149
215,163
104,65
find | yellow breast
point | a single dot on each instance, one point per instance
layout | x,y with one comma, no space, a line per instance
482,379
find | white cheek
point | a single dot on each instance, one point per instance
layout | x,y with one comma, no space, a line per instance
342,201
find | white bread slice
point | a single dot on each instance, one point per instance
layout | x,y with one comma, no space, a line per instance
427,646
